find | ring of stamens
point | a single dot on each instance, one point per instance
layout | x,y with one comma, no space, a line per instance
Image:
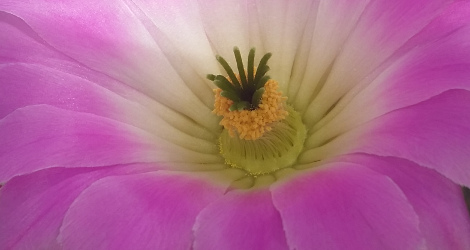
275,150
251,124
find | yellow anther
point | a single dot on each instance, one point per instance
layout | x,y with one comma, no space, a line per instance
252,124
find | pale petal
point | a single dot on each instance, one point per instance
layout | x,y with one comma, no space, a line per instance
382,29
176,28
44,76
282,25
329,25
229,23
38,137
435,60
433,134
107,36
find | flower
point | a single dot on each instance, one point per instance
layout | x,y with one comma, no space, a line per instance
108,139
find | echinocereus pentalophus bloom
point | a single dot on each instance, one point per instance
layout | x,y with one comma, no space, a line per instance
231,124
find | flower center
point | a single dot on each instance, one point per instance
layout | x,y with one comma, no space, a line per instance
262,133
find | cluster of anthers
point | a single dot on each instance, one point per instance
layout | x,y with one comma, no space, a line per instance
250,101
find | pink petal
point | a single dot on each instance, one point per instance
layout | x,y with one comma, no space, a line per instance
240,220
23,50
47,77
110,37
20,43
29,84
382,29
96,33
433,134
142,211
346,206
435,60
385,26
33,206
38,137
443,215
34,73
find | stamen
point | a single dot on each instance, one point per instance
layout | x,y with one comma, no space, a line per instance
252,124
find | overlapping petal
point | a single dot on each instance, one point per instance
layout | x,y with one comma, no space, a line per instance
32,207
240,220
443,216
147,211
346,206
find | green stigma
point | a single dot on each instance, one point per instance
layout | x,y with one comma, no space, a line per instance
247,89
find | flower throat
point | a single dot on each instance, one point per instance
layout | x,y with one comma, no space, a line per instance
262,134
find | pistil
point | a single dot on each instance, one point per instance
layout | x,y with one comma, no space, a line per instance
249,102
263,134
